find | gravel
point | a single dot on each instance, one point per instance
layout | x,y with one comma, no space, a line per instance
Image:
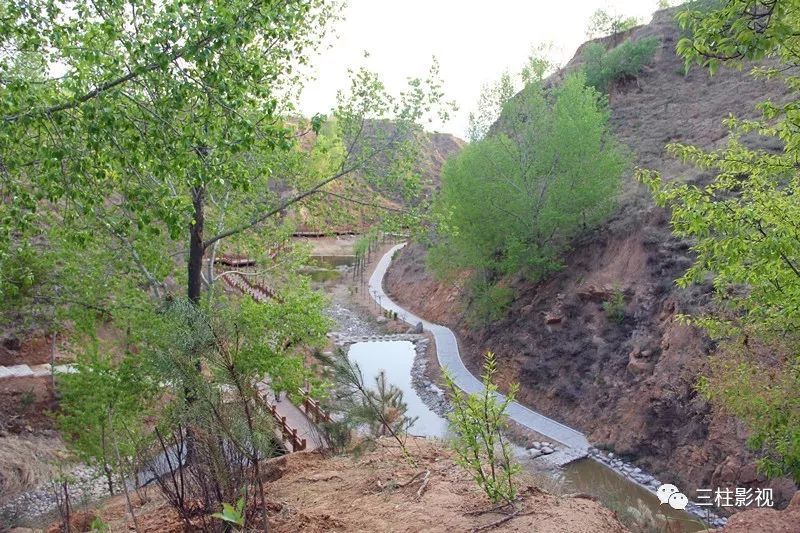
431,395
86,484
348,322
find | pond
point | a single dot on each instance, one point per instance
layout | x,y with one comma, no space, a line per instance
326,268
396,358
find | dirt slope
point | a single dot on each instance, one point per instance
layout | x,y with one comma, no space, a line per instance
310,493
628,385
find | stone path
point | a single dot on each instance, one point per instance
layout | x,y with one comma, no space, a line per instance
34,371
575,443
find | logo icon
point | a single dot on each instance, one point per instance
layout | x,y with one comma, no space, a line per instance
670,494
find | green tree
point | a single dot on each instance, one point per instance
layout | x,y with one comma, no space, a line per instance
512,201
138,139
171,131
103,408
744,228
604,23
494,96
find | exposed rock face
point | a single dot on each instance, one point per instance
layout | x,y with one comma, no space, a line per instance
627,382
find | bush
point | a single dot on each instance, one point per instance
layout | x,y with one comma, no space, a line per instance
488,302
604,67
615,306
478,421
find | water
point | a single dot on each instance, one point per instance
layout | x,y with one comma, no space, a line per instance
326,268
636,506
396,359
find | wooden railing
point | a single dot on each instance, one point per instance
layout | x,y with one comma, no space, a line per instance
259,292
235,260
289,433
312,408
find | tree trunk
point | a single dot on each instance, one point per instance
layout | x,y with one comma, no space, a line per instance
196,251
194,288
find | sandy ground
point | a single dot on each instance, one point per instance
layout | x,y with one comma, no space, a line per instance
379,492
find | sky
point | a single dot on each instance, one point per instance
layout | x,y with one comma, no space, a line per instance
475,41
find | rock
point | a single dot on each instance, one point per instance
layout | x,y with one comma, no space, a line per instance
418,329
547,450
535,453
381,320
639,366
12,343
595,294
535,445
552,319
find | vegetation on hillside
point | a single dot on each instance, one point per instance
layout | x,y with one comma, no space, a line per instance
511,202
604,23
744,228
605,67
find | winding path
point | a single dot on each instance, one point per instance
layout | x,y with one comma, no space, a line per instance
449,357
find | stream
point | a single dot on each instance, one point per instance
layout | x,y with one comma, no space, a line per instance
635,505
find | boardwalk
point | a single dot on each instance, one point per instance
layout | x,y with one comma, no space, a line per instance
450,358
295,418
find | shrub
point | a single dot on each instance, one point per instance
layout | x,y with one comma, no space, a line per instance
478,421
615,306
604,67
488,302
374,412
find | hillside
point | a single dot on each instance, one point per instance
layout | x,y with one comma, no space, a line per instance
628,386
379,492
333,214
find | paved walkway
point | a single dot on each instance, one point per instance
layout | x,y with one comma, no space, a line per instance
450,358
32,371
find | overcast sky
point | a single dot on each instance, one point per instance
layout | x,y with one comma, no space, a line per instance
474,41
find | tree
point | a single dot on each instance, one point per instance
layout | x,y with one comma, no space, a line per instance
173,125
494,96
142,139
744,228
603,23
372,412
490,105
511,202
103,408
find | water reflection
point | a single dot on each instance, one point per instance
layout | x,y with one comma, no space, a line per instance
396,359
325,268
636,506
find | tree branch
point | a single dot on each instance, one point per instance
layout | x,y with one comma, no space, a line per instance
282,207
